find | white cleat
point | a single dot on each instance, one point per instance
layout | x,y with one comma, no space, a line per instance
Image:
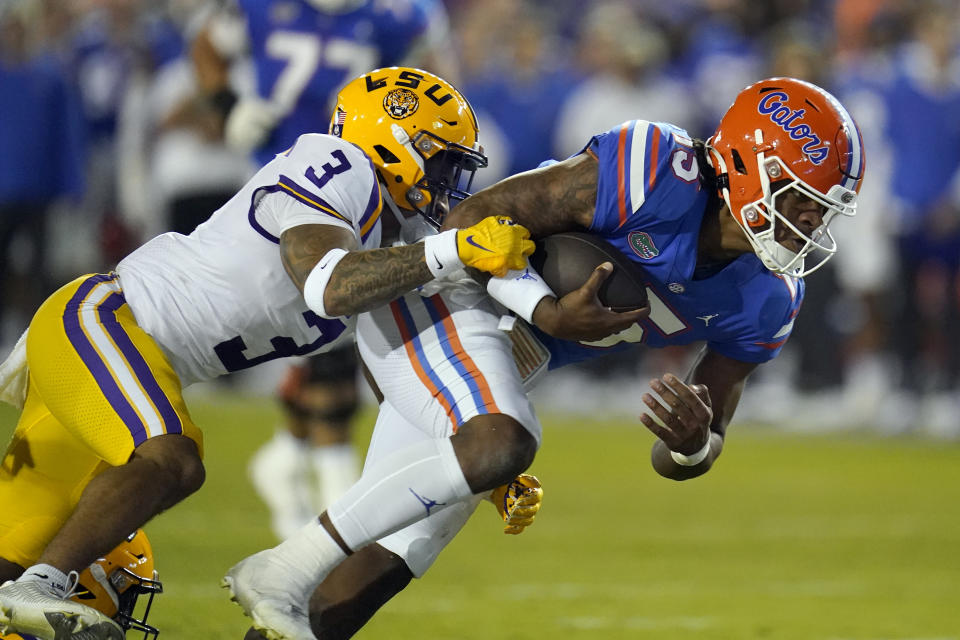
258,584
31,608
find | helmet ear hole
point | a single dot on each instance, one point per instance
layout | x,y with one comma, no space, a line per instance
738,162
388,157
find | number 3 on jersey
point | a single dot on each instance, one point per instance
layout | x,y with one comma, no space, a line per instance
329,170
661,316
232,352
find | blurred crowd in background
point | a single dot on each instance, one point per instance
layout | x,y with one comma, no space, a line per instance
104,142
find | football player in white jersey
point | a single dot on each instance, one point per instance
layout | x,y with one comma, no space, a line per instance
280,270
302,52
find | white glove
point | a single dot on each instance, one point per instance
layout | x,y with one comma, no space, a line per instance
249,124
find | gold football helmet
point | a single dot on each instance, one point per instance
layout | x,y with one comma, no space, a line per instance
419,131
113,584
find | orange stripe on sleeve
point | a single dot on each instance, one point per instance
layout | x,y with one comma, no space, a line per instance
654,133
772,345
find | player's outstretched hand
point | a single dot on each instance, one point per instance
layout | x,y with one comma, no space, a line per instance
683,419
495,244
581,316
518,502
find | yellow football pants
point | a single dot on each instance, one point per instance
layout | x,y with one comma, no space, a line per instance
99,387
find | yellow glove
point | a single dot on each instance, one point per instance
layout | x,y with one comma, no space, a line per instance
518,502
495,244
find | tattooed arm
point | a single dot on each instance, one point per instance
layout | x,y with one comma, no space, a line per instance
362,280
560,197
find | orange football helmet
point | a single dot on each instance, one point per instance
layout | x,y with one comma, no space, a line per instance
785,134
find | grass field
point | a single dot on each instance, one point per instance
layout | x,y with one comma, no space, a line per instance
805,537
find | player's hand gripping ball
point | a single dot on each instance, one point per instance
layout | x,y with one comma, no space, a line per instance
495,244
518,502
566,260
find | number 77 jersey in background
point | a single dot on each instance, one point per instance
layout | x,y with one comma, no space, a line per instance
302,56
220,300
650,205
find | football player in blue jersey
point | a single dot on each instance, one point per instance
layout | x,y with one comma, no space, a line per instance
302,52
724,230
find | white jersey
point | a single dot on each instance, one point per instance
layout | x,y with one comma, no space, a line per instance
219,300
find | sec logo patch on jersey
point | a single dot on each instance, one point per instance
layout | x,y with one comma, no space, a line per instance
566,260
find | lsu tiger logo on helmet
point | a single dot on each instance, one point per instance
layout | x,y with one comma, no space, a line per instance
419,132
781,135
400,103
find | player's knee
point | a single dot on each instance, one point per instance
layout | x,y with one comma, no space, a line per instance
192,475
522,449
493,449
177,463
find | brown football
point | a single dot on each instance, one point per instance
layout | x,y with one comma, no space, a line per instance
566,260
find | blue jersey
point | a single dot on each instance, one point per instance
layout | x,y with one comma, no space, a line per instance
650,205
302,56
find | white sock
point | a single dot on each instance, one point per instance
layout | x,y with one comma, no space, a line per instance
49,575
336,468
398,490
310,555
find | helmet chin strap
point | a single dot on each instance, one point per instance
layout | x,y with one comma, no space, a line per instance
404,140
413,193
101,577
771,253
412,228
774,255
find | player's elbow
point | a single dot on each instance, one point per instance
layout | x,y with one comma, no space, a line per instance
335,305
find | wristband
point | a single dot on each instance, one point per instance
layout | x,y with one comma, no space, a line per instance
694,458
520,291
316,282
440,250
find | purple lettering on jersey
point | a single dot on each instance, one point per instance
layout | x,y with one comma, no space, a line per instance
232,356
329,169
772,105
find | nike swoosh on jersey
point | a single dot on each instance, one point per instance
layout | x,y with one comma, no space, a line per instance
470,240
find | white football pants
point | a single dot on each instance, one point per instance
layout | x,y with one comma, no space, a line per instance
439,360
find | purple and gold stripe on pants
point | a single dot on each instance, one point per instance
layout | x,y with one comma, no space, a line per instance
112,358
